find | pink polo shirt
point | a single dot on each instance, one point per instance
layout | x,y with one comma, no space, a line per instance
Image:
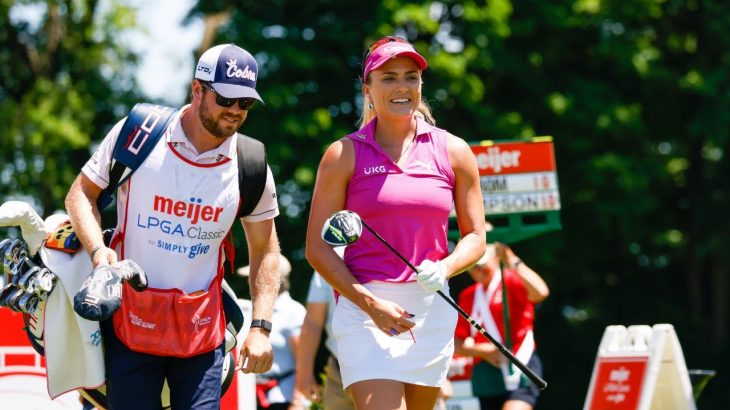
409,207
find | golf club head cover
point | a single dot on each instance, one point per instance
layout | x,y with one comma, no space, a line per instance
342,228
133,274
100,294
432,275
18,213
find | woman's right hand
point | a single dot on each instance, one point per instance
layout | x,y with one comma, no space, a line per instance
390,317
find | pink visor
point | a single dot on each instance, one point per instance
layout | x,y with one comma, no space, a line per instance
388,50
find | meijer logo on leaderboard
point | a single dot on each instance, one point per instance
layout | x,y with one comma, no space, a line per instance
191,210
497,160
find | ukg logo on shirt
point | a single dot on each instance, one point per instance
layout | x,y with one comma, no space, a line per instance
378,169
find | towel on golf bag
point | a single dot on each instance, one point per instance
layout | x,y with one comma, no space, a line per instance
74,356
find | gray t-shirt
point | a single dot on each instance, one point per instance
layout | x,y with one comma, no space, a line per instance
286,322
321,292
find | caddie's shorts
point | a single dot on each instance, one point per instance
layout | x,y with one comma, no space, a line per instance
135,380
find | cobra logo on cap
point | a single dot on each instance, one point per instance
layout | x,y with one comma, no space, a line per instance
234,71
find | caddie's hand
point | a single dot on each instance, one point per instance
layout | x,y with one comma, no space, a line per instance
256,355
432,275
104,256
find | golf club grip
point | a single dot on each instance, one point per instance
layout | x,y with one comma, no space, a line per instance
539,382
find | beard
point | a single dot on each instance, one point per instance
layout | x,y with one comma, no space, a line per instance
213,126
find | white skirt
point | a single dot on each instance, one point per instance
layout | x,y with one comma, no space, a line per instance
366,353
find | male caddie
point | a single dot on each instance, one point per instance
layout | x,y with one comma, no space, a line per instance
173,215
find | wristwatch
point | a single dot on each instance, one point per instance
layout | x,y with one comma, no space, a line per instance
262,324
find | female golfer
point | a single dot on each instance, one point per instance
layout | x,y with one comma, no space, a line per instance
403,176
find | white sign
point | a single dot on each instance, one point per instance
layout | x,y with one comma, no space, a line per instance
510,183
522,202
640,368
517,177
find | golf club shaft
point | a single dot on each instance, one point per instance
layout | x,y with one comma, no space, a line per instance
537,380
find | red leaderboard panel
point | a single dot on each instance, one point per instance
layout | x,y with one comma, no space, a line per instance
518,177
514,157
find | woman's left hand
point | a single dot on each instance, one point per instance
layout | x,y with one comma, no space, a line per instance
432,276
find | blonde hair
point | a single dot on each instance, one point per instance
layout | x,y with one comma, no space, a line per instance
368,112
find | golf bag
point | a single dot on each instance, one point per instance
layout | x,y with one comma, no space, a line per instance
30,278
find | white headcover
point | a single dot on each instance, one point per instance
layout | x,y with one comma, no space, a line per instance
17,213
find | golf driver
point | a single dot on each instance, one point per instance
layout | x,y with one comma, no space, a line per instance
345,227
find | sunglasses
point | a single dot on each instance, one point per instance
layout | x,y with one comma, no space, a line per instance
375,45
245,103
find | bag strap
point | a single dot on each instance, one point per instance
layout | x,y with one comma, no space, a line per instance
144,127
251,173
140,132
252,170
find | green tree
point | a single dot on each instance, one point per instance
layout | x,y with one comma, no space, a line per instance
64,81
634,94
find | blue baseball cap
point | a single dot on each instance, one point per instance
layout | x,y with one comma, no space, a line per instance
231,70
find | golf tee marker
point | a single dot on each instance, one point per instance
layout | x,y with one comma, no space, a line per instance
640,368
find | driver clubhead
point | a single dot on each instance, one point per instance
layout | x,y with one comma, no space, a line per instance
342,228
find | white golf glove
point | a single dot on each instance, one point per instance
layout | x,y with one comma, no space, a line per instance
432,275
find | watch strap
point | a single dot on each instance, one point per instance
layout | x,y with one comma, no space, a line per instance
261,323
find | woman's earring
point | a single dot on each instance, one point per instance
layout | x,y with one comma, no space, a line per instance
370,105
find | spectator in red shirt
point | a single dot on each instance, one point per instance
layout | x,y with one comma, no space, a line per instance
501,279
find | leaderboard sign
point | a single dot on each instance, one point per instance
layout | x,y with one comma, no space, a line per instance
518,177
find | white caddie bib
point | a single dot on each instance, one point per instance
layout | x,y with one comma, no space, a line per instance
177,215
483,315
